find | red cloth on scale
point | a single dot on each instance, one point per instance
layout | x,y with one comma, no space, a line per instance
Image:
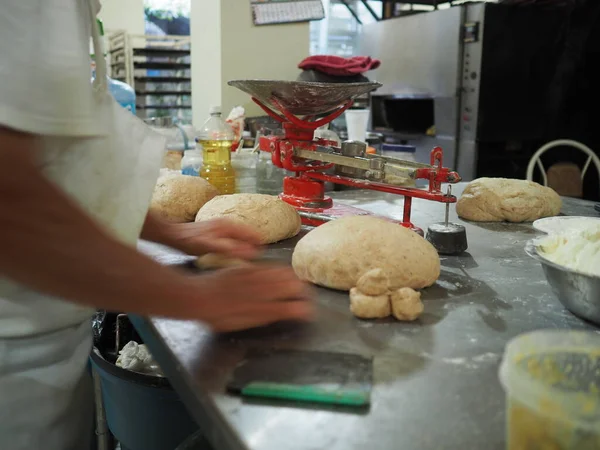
338,66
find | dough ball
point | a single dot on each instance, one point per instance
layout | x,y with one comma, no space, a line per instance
338,253
271,217
217,261
369,306
373,282
503,199
177,198
406,304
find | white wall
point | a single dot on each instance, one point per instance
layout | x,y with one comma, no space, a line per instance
207,50
125,15
263,52
233,48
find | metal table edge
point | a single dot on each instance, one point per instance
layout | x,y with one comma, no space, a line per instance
209,419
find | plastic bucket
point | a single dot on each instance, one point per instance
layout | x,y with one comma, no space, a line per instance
552,385
143,412
196,441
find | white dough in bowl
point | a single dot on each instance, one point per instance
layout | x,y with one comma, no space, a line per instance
579,251
561,224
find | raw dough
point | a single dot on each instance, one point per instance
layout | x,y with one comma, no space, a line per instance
578,250
369,306
217,261
503,199
373,282
177,198
274,219
338,253
406,304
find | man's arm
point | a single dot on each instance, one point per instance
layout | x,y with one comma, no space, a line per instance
220,236
48,243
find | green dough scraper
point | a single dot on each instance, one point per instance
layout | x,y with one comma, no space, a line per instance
303,376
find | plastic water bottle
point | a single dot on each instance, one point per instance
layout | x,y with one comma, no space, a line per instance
122,93
192,162
216,139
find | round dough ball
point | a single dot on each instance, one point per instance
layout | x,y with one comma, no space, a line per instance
406,304
373,282
177,198
338,253
503,199
271,217
369,306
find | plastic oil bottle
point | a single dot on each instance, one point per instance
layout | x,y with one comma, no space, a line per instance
216,138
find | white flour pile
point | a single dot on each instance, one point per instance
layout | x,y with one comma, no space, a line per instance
136,357
576,249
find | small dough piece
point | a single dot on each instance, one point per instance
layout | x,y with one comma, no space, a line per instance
406,304
369,306
373,282
503,199
271,217
177,198
338,253
217,261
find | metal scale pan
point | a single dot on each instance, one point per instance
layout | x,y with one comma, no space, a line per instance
303,98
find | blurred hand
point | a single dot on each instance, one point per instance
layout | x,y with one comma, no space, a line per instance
253,295
220,236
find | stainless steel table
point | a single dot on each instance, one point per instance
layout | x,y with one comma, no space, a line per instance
435,380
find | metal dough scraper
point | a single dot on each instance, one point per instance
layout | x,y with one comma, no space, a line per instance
303,376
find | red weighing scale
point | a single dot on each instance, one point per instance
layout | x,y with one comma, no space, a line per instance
302,107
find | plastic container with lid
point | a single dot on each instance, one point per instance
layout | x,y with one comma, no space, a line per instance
176,141
216,138
247,139
244,162
192,162
552,384
269,177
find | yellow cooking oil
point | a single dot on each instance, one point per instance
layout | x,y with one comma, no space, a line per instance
216,138
216,165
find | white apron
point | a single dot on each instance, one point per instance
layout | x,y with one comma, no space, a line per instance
45,395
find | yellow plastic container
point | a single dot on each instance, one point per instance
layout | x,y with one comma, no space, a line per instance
552,385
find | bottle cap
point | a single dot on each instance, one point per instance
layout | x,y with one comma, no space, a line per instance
214,110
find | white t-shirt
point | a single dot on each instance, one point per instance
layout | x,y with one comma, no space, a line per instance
46,90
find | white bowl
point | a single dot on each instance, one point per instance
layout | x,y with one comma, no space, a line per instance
561,224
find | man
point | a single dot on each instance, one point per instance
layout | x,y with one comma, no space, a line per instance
63,252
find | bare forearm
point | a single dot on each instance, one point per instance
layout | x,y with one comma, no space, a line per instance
48,243
158,230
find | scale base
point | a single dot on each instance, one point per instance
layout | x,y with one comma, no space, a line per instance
447,238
